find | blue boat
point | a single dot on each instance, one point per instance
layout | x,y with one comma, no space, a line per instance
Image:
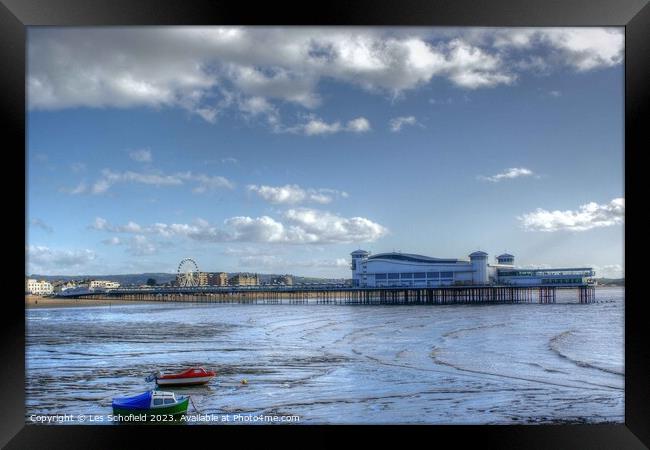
151,402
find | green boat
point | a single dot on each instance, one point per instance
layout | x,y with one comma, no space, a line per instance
152,403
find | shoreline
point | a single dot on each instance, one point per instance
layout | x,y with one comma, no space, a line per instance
35,301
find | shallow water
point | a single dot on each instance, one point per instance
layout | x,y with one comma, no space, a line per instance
456,364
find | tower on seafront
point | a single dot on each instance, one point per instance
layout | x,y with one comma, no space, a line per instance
357,266
479,261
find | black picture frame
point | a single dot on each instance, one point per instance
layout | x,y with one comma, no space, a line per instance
634,15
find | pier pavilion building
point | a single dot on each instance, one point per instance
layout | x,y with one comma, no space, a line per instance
411,270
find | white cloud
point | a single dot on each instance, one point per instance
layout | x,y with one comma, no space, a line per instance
114,240
582,49
102,224
206,70
508,174
588,216
323,227
138,245
46,260
471,67
291,194
358,125
300,226
315,126
39,223
78,189
209,183
272,262
202,69
141,155
397,123
202,182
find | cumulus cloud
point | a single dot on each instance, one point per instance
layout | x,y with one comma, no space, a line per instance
293,194
205,70
114,240
202,182
586,217
324,227
582,49
78,189
273,262
141,155
44,259
256,70
297,226
103,225
315,126
358,125
138,245
508,174
397,123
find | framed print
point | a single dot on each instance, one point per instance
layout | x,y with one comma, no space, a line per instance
370,214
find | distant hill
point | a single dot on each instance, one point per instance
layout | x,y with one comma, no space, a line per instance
128,279
162,278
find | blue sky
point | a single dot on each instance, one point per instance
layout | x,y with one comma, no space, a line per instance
281,150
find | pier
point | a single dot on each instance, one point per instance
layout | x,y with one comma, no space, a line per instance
338,294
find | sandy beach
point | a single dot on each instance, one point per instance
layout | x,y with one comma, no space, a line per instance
34,301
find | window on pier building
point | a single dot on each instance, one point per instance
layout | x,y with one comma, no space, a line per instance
380,276
418,275
406,275
446,274
433,274
393,276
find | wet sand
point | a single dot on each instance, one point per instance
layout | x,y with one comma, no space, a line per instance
34,301
338,364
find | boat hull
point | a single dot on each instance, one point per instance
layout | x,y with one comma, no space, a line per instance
195,381
174,410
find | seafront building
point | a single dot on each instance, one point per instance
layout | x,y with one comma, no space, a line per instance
411,270
103,284
244,279
217,279
283,280
38,287
212,278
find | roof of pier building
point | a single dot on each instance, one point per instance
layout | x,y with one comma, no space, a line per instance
410,257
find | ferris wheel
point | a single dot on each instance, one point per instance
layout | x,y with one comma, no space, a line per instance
188,273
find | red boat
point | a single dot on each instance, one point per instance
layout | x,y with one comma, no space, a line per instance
190,377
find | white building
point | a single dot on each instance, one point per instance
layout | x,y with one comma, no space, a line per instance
103,284
410,270
38,287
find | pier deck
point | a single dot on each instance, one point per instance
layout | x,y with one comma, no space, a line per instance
347,295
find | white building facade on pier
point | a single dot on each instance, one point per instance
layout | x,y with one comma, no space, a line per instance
38,287
397,269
